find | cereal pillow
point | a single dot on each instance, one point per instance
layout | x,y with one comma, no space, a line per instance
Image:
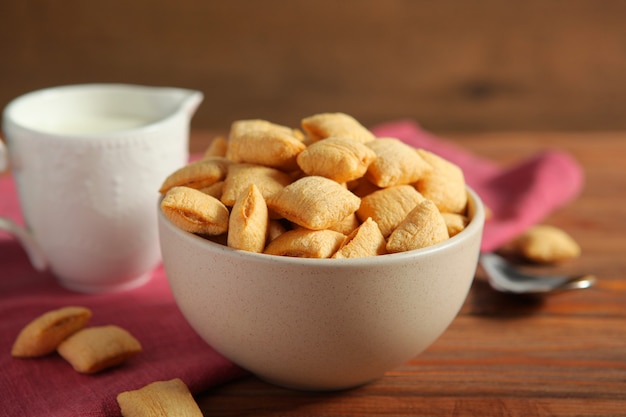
268,180
444,184
248,223
340,159
305,243
195,212
396,163
423,226
389,206
42,335
324,125
546,244
159,399
366,240
264,143
198,174
95,349
314,202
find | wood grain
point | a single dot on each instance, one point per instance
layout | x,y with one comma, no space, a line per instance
480,66
503,355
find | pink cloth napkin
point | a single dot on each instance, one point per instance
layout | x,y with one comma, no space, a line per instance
48,386
519,196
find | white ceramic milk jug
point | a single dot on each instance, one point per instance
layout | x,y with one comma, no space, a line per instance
88,161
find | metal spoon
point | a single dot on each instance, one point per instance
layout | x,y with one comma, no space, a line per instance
504,277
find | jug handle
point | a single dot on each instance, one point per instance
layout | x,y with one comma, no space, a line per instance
34,252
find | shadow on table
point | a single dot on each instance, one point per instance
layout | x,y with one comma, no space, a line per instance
251,396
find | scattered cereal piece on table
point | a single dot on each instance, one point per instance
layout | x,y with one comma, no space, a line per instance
94,349
44,334
159,399
546,244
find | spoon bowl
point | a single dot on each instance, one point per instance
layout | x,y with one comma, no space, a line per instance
504,277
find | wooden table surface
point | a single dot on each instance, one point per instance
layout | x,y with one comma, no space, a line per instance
503,355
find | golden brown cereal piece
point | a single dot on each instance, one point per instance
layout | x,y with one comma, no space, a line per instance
218,147
340,159
197,174
159,399
324,125
367,240
389,206
242,127
422,227
42,335
314,202
347,225
396,163
444,184
546,244
305,243
268,180
195,211
94,349
247,227
215,190
455,223
298,134
264,143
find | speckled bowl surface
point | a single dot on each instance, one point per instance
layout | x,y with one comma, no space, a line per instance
320,324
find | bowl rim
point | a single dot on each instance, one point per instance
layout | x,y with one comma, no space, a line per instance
475,226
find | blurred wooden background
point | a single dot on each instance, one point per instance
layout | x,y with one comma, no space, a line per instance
478,65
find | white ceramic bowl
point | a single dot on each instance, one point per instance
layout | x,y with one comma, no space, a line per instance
320,324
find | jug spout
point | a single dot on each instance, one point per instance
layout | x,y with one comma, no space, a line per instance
188,100
155,103
175,101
